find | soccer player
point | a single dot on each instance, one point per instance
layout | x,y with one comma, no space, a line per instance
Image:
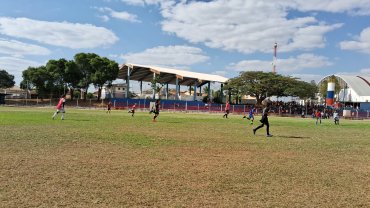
251,116
336,117
318,116
60,107
108,107
227,110
264,121
156,109
133,110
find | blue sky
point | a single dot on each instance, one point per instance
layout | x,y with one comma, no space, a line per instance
315,38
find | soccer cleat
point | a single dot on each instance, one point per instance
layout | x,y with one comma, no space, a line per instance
52,117
244,116
154,120
254,131
63,119
269,135
248,118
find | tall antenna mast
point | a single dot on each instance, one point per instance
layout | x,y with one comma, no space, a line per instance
274,60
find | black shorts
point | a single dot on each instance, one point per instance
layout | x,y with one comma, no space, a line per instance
156,112
108,108
227,111
132,111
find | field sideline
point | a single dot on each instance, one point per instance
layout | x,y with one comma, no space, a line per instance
94,159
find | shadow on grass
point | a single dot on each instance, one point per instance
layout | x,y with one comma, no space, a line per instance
294,137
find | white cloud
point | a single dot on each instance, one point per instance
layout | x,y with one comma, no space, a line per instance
362,72
170,55
15,66
362,43
104,17
17,48
113,55
245,26
308,77
221,73
122,15
303,61
353,7
134,2
64,34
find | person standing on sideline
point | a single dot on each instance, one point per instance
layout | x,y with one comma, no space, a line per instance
60,107
251,116
336,117
133,110
156,109
318,116
108,107
227,109
264,121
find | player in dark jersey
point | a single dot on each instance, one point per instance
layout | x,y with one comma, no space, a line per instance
60,107
156,109
108,107
264,121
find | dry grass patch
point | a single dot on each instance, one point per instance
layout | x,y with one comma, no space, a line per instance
94,159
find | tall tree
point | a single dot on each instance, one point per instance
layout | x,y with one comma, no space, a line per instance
156,84
84,64
262,85
39,77
56,69
73,76
323,90
6,79
105,72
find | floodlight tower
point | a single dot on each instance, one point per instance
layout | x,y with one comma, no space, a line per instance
274,60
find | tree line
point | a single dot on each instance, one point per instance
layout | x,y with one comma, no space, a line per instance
262,85
76,74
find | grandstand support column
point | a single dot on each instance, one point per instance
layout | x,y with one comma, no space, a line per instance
167,91
141,88
221,92
195,90
128,82
209,90
177,89
229,95
190,90
153,88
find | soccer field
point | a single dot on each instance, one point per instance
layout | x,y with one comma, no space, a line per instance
95,159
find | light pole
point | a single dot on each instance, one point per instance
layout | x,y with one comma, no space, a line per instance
27,93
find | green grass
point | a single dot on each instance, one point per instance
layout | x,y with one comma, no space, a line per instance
94,159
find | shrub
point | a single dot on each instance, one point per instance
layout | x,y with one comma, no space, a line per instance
89,95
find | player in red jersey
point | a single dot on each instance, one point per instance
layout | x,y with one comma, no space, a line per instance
60,107
227,109
132,110
318,116
108,107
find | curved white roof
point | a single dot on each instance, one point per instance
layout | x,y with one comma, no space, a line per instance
360,84
187,78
